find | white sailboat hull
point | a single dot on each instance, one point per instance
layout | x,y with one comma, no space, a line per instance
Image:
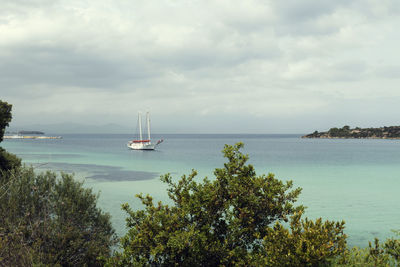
141,146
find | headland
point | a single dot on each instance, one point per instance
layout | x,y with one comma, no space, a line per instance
31,137
391,132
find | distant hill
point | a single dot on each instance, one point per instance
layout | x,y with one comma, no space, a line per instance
30,132
391,132
66,128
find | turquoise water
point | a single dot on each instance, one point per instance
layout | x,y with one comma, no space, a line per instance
352,180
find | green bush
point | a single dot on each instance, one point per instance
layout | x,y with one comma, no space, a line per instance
8,161
5,117
376,254
51,220
226,222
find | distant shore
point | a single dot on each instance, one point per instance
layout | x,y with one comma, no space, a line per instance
31,137
331,137
391,132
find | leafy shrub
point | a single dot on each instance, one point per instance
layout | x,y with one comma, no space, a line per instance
226,222
51,220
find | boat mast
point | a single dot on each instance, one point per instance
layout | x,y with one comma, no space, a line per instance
140,125
148,125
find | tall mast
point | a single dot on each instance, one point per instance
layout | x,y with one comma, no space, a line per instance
148,125
140,125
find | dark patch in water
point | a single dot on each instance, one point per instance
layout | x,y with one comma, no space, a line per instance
36,156
100,172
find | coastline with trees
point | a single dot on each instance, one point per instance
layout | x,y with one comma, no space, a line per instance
391,132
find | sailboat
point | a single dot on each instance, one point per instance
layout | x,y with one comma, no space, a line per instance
143,144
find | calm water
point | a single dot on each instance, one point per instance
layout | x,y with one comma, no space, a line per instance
354,180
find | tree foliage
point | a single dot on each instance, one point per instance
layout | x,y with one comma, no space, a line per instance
340,132
8,161
376,254
5,117
347,132
224,222
51,220
305,243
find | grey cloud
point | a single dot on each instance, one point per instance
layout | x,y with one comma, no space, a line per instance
354,70
296,11
66,66
390,72
304,17
192,58
300,17
11,8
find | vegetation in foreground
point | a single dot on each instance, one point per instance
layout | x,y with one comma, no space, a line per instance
48,220
237,219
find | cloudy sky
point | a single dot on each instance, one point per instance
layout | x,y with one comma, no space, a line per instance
202,66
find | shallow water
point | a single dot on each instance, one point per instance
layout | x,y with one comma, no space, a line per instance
354,180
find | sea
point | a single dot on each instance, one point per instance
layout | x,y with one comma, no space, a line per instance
355,180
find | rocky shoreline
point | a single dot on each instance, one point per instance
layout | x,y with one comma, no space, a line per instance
391,132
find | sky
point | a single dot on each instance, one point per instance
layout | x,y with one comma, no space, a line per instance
202,66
